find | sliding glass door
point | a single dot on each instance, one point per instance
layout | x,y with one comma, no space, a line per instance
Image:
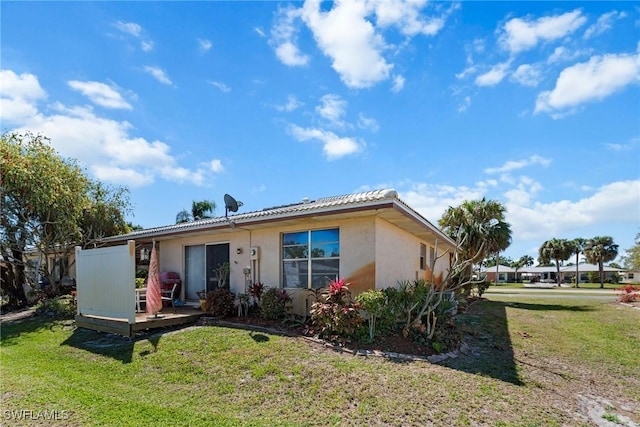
201,264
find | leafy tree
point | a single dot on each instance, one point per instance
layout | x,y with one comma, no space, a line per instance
577,247
599,250
556,250
480,228
48,207
199,210
631,260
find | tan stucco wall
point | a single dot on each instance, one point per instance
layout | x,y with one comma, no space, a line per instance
374,254
398,256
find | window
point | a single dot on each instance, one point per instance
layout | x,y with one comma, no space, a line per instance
310,259
630,276
423,256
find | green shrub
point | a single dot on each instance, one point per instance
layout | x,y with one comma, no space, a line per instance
274,303
221,302
373,303
62,307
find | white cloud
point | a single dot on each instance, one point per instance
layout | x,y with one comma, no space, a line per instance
533,221
614,202
259,31
527,75
158,74
292,104
406,16
562,54
216,166
204,45
147,45
135,30
349,39
466,103
369,123
632,144
398,84
130,28
332,108
603,24
523,34
223,87
100,94
432,200
128,176
284,38
105,146
350,35
494,75
512,165
596,79
334,147
18,96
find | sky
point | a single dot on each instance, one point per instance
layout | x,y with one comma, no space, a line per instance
533,104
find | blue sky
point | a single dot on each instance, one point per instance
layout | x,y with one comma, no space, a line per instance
533,104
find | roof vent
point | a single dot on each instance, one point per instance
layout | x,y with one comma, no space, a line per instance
305,200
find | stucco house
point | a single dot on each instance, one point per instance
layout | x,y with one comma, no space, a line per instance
372,239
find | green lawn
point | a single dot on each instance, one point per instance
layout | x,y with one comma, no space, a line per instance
610,286
531,360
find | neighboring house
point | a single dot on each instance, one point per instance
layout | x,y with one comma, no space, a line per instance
569,272
372,239
628,276
504,273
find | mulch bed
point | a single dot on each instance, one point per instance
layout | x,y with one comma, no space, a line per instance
394,343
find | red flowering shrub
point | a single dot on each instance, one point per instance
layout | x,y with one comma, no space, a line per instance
336,315
629,293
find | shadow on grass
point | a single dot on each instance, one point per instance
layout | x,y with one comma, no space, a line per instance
549,307
490,346
110,345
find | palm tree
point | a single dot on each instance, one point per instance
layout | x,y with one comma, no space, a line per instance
479,228
577,247
202,209
524,261
599,250
557,250
199,210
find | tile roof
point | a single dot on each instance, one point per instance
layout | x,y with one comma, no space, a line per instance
327,204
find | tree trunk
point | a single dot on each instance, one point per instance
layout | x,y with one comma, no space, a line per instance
15,280
578,269
601,267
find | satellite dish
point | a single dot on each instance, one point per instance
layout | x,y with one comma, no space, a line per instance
230,204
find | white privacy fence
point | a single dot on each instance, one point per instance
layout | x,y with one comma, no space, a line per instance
105,281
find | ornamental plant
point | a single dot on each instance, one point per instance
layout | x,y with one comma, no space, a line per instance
221,302
274,303
336,315
373,303
629,293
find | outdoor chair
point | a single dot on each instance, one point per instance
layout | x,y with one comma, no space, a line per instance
169,295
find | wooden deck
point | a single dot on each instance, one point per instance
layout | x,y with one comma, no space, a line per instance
183,315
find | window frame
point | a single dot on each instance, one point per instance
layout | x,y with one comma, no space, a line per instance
308,257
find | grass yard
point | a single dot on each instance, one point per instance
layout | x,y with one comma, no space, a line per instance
609,286
533,363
